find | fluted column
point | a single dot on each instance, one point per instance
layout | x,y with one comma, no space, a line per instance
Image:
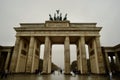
15,55
67,55
30,55
35,57
19,54
47,61
83,59
107,61
36,66
99,56
78,56
50,59
7,60
117,61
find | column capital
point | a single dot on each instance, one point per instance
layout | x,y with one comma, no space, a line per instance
17,36
82,37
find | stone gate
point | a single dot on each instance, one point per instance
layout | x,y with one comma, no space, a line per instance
29,37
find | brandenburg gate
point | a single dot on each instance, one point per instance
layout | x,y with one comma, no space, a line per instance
30,36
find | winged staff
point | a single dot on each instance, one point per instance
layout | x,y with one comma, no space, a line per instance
57,16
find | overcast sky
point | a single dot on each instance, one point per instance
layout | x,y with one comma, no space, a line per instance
105,13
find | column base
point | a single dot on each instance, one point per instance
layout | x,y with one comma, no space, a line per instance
45,73
67,74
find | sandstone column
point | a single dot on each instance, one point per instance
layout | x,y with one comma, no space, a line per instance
96,69
35,56
50,59
117,61
83,60
19,55
112,60
78,57
47,62
7,60
92,55
67,55
30,55
107,61
99,56
15,55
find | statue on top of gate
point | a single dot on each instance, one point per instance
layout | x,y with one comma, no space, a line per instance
58,17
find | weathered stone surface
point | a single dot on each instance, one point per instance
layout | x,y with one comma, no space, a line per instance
59,32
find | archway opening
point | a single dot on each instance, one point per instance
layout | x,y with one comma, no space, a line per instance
88,59
41,57
73,57
58,55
